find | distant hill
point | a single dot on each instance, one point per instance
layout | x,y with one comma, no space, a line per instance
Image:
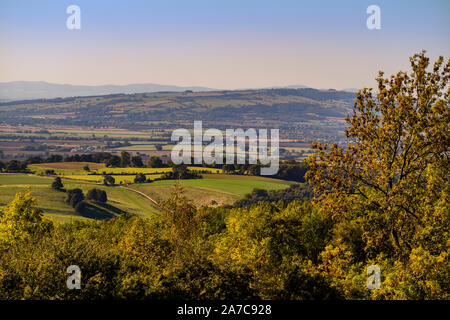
28,90
351,90
24,90
143,110
304,115
294,86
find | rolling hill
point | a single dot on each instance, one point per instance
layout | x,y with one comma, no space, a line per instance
146,110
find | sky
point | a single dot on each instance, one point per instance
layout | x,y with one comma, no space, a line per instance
223,44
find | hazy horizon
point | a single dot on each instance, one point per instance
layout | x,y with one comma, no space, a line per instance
228,45
300,86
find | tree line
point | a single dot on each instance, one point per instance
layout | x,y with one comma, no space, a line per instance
290,170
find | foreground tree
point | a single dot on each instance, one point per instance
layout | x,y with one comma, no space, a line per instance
388,189
180,224
20,219
394,172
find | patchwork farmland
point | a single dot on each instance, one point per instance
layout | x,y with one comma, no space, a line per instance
214,189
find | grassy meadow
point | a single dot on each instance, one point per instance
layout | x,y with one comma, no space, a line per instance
214,189
53,202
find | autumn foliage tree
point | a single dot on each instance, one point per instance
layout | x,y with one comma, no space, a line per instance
389,185
22,219
179,221
395,167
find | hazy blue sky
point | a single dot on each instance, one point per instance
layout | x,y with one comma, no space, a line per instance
220,44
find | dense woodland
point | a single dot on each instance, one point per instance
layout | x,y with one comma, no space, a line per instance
382,200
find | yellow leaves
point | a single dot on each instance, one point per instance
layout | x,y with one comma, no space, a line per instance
422,276
20,218
394,139
338,267
392,179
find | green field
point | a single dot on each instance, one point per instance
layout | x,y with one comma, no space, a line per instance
233,184
52,201
22,179
214,189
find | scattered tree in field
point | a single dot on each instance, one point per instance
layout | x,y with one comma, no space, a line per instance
140,178
74,196
155,162
15,166
292,170
80,207
113,162
108,180
294,192
180,172
228,168
86,168
136,161
55,158
57,184
254,169
96,195
125,159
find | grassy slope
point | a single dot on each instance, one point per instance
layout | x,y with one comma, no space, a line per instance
22,179
223,189
52,201
217,189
